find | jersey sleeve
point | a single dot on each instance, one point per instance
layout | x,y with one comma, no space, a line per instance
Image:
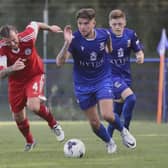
135,43
35,29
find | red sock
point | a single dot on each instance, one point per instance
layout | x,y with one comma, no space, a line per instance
24,128
45,113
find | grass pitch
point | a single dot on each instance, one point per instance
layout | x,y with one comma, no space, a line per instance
151,151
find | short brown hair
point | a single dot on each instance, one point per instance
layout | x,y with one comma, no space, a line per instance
116,13
87,13
5,30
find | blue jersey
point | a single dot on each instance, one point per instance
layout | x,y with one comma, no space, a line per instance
90,64
120,56
91,68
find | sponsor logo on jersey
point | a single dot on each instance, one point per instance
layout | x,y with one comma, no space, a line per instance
93,56
119,61
93,64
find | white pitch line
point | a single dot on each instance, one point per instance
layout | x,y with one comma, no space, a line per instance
151,135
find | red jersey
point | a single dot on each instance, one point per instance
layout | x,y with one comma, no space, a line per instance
34,65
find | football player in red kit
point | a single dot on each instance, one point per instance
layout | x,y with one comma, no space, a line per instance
20,62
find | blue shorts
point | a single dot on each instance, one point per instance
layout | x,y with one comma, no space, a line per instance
88,96
119,85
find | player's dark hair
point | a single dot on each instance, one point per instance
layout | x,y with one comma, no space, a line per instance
116,13
5,30
86,13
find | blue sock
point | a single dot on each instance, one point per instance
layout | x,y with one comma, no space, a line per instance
118,107
102,133
128,107
115,125
118,110
110,129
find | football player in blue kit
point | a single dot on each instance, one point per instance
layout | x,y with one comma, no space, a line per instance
91,73
124,41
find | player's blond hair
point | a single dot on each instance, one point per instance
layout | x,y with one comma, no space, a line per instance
116,13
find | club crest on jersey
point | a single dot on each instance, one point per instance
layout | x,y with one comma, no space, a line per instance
28,51
120,52
128,43
93,56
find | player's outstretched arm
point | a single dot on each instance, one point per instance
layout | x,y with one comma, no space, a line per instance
139,57
52,28
64,54
18,65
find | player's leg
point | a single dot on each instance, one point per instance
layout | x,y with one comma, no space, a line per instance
112,118
104,95
42,111
117,88
17,101
118,106
106,109
99,129
34,92
24,127
95,123
117,110
129,103
88,104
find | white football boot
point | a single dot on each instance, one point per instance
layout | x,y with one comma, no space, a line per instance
128,140
29,146
58,131
111,147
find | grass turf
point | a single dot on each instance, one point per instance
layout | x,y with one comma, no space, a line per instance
151,151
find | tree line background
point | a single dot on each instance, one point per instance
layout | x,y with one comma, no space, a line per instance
146,17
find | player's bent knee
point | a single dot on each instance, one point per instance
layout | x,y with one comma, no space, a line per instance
108,118
34,107
33,104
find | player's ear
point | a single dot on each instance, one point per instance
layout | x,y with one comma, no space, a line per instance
110,23
125,22
94,22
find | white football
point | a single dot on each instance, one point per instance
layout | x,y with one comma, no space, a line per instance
74,148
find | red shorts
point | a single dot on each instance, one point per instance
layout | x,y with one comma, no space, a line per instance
18,94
